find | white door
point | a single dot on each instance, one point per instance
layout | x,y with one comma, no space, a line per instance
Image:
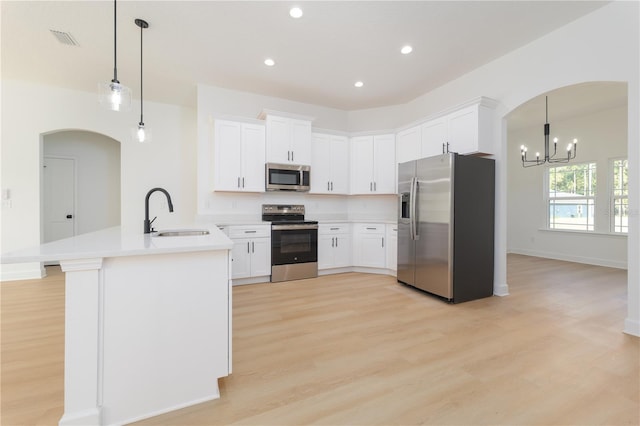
253,157
228,136
361,161
384,158
278,140
59,198
339,165
321,164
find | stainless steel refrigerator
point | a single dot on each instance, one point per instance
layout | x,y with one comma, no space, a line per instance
446,226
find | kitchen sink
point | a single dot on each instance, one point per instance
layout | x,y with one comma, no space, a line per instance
181,232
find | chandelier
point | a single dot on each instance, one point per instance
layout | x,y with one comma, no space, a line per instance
571,148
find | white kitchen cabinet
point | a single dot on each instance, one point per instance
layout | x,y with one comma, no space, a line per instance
468,130
471,130
251,253
329,164
373,164
434,135
392,246
334,246
369,245
288,140
408,144
239,151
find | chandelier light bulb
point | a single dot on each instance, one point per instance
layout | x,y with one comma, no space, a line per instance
537,155
295,12
569,147
575,141
555,140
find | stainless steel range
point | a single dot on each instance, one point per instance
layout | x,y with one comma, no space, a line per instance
294,242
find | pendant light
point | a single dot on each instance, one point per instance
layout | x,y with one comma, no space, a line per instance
114,95
140,133
548,157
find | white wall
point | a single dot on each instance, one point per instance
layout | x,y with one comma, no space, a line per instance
97,176
602,136
601,46
169,161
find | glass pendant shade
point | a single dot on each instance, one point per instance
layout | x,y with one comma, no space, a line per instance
114,96
141,133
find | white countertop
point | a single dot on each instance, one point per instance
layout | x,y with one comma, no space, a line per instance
112,242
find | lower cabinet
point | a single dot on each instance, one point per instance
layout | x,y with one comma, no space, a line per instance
392,246
251,253
334,246
369,245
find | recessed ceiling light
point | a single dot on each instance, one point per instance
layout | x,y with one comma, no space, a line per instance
406,49
295,12
269,62
358,84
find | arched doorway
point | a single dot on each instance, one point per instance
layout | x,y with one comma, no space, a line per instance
80,186
544,225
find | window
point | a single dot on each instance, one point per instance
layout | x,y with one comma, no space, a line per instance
571,196
620,196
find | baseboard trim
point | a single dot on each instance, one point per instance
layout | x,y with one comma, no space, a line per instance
501,290
23,271
632,327
569,258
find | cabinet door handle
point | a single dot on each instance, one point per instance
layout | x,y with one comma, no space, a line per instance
443,147
253,247
375,186
370,186
371,229
243,182
327,185
248,247
238,181
336,241
291,155
383,242
250,232
334,229
332,186
333,242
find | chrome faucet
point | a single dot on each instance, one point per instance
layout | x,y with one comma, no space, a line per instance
147,223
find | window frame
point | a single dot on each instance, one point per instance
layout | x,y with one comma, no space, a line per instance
591,199
612,170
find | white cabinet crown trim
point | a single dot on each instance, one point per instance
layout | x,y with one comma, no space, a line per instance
480,100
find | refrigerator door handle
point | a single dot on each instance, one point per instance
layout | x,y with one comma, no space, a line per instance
412,208
415,217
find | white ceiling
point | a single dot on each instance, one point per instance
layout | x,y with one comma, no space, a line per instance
318,57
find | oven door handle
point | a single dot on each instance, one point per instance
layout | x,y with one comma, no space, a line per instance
293,227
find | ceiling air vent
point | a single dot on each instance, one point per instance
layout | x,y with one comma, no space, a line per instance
64,38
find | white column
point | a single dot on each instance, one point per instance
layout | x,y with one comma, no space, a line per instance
82,346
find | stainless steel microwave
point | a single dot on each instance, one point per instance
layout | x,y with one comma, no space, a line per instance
287,177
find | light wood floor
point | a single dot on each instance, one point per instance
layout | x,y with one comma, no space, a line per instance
357,349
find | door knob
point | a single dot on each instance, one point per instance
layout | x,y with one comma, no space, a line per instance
69,216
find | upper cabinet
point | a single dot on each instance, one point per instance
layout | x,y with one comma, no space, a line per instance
239,156
373,164
329,164
408,144
288,140
465,130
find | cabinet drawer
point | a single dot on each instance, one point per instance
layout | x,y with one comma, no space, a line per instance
333,228
249,231
370,228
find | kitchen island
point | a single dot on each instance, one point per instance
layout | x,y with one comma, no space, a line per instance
147,322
